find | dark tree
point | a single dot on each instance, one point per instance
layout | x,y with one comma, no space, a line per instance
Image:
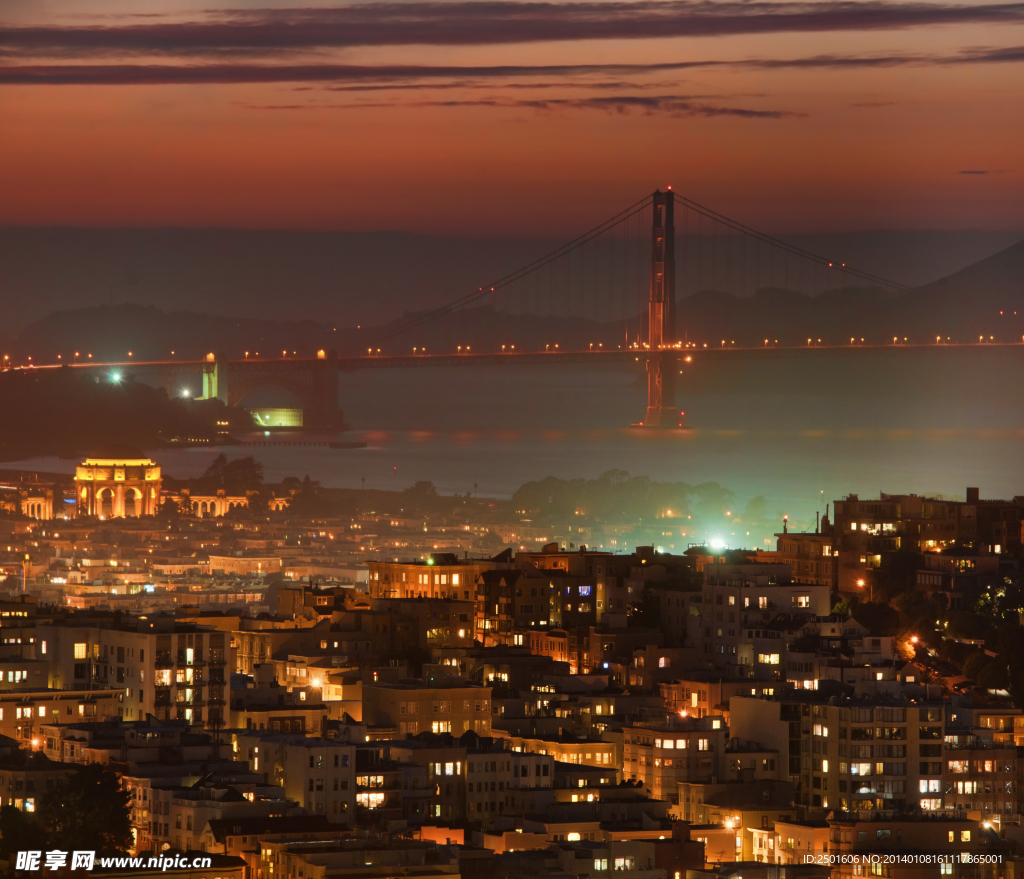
994,676
19,831
877,617
974,664
645,613
88,810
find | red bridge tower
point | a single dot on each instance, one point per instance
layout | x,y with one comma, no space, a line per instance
661,332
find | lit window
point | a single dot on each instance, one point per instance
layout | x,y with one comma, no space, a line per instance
80,651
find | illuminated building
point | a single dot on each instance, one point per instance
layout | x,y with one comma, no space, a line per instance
117,483
866,531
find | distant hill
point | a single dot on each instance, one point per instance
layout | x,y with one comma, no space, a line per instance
962,306
341,278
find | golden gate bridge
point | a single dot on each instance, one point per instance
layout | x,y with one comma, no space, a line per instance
610,294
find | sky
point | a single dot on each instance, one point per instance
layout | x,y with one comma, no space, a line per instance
506,117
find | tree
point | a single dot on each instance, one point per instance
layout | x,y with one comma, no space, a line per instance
878,617
19,832
974,664
994,676
88,810
215,472
645,613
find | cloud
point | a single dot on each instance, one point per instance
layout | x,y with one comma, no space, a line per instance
233,73
485,22
672,105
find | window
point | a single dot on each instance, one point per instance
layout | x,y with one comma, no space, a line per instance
762,602
702,744
80,651
965,836
600,863
768,658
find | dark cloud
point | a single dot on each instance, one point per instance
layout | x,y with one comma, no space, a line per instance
486,23
191,74
672,105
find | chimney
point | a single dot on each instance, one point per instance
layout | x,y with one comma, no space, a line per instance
972,495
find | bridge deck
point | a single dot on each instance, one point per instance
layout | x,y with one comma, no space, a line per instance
405,361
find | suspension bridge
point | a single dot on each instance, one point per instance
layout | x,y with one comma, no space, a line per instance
609,294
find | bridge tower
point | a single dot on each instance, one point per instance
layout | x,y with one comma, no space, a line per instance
661,332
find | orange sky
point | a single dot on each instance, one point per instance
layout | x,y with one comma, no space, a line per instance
787,130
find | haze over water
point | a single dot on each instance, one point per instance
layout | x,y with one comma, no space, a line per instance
794,428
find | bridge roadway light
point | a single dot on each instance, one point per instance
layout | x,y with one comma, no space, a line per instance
115,378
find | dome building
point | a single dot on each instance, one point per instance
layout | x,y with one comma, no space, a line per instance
116,483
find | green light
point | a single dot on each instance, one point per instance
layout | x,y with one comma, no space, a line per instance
430,561
115,377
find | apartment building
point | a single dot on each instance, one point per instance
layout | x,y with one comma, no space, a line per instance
867,753
867,530
168,669
951,844
661,755
741,603
412,707
317,773
440,575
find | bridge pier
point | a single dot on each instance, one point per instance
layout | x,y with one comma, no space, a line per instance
215,380
314,382
662,360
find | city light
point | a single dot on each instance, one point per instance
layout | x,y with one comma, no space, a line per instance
115,378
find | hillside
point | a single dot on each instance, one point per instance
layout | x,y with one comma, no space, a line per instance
961,306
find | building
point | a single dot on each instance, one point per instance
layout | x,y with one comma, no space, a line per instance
317,773
850,754
440,575
117,483
412,707
169,669
866,531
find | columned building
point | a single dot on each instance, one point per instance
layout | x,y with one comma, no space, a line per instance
117,483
